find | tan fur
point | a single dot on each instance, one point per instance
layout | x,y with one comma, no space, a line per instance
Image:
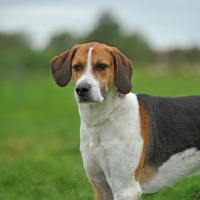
145,131
100,54
148,174
97,193
119,69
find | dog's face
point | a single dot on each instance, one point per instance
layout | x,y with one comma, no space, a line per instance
95,68
93,73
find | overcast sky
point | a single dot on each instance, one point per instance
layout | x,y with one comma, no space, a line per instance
165,23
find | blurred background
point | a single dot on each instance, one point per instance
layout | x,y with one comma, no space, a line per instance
39,122
146,32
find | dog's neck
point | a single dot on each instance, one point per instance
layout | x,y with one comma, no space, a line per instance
93,114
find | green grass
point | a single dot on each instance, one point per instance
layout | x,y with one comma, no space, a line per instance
39,136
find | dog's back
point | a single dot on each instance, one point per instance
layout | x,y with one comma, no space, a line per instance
174,138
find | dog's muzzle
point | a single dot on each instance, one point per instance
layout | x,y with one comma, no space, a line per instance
85,93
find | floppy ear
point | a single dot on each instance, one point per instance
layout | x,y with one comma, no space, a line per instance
61,67
123,71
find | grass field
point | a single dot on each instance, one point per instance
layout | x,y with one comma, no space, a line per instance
39,135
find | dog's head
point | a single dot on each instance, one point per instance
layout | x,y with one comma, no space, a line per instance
95,68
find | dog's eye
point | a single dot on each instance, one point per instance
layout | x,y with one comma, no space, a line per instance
77,68
101,67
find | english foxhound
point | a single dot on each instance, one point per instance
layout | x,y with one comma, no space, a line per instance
130,143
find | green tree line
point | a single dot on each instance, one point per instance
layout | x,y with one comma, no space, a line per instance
15,49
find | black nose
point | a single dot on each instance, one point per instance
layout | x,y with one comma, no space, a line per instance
82,89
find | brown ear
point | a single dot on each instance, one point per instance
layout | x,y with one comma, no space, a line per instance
61,67
123,71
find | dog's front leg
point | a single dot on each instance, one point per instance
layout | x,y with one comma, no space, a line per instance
113,176
102,192
131,191
124,188
121,166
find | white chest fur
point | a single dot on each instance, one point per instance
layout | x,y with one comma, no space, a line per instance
111,143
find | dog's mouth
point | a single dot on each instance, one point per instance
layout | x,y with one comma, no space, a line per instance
84,99
91,98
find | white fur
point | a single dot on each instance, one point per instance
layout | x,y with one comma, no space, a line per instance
111,145
88,77
176,168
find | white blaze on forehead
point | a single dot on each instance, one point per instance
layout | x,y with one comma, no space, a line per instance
89,60
88,77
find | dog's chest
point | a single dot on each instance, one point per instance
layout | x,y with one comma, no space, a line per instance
113,148
118,130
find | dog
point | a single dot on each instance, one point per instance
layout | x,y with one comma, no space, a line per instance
130,143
